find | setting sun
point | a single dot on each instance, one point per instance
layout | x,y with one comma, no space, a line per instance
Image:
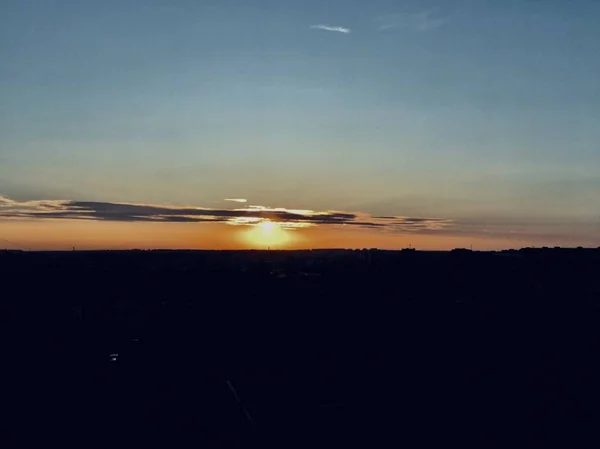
268,233
268,226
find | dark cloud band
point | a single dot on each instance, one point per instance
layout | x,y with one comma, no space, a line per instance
107,211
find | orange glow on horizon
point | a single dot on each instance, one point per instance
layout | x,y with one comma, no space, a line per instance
268,233
89,234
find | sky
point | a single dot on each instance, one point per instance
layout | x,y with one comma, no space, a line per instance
381,123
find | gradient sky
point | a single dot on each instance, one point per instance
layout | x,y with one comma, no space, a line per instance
485,114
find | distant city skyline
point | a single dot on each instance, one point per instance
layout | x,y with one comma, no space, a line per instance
461,122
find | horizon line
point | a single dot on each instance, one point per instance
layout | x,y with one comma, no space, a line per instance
294,249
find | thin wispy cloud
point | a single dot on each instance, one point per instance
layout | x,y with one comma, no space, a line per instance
421,21
336,29
247,216
237,200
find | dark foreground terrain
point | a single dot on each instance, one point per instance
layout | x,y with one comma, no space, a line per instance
301,349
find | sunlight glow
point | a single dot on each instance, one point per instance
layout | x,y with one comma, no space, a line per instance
268,233
268,226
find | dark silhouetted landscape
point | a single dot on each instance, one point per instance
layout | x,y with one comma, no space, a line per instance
321,348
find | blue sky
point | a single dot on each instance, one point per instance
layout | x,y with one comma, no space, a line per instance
472,110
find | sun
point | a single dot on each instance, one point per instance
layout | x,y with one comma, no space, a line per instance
268,234
267,226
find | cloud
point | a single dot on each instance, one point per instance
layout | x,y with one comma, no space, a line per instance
516,229
421,21
331,28
251,215
237,200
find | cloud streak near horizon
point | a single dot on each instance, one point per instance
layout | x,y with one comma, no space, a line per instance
296,219
252,215
337,29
